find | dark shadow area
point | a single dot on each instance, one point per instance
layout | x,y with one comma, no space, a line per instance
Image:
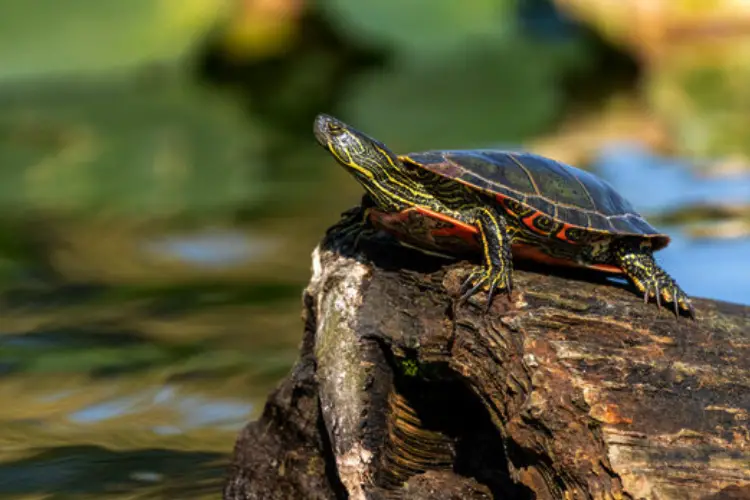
608,68
455,432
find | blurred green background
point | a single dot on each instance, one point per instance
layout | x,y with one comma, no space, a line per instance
161,191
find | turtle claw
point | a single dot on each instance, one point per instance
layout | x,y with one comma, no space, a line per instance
489,300
652,290
472,284
680,302
491,294
666,294
638,264
492,280
467,283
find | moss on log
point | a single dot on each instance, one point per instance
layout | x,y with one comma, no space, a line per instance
575,389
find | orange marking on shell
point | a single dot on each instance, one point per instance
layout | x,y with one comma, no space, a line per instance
503,200
562,233
529,221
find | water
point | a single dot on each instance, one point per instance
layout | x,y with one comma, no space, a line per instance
134,346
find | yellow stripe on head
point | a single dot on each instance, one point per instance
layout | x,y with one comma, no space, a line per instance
348,162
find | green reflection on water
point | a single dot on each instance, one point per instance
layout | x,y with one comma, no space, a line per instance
150,286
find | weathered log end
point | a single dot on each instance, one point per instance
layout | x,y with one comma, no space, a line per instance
574,389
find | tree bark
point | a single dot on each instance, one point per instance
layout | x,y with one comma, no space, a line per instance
572,389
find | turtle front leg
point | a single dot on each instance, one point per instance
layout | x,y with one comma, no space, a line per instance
637,261
354,225
495,240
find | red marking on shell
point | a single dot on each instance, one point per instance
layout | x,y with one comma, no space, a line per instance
503,200
529,222
563,234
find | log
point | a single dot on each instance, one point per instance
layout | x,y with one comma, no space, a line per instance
572,389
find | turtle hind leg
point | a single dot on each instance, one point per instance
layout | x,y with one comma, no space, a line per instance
637,261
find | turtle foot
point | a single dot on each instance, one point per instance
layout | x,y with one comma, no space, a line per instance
637,261
492,280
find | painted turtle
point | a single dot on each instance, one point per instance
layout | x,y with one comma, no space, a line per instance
505,204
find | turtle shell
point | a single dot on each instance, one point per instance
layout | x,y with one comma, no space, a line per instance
562,192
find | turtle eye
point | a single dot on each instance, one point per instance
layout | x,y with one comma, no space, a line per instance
335,129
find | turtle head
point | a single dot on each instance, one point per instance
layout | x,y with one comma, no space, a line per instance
362,155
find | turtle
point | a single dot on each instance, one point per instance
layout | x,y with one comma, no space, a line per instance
505,205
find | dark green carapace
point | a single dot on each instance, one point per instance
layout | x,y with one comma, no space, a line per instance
506,205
